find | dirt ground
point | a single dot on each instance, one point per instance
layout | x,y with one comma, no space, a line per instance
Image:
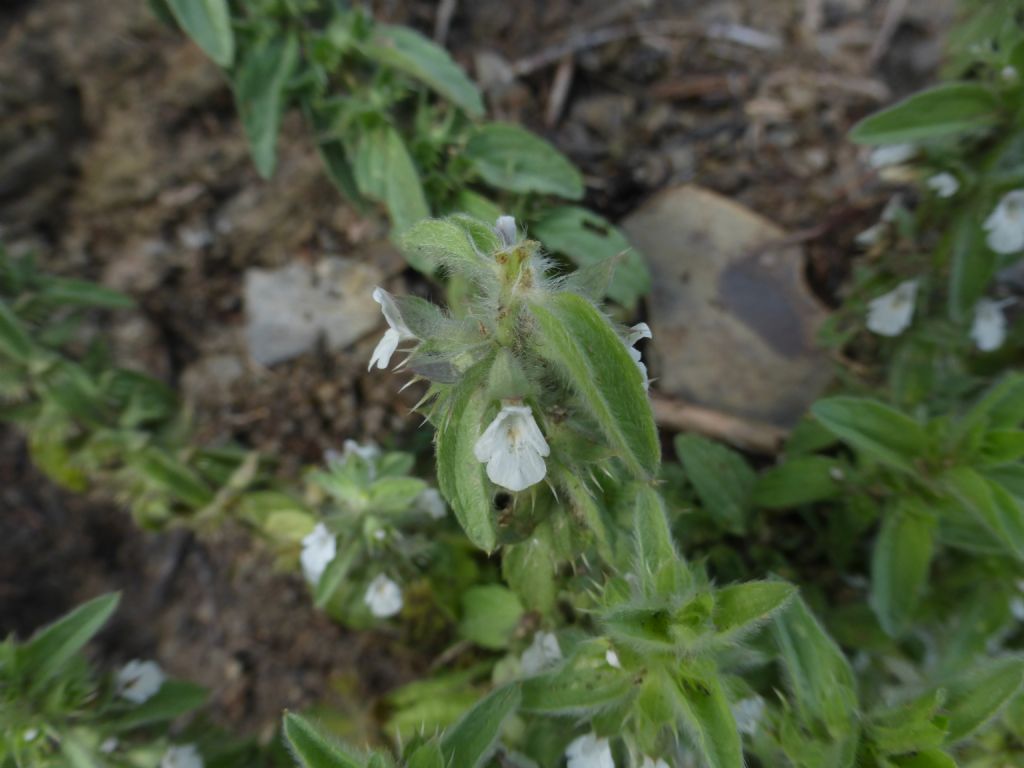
121,160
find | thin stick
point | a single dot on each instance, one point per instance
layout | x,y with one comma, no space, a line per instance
746,434
559,91
893,16
443,20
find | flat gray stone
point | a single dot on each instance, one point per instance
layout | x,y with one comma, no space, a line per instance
734,323
289,309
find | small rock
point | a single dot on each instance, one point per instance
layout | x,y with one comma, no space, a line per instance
288,309
734,323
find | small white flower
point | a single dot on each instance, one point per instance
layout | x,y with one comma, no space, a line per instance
612,658
1017,608
1010,74
890,314
505,227
380,534
384,597
543,652
1005,225
650,763
318,550
872,234
589,752
513,448
138,681
109,745
184,756
748,713
943,184
369,452
30,734
431,502
989,327
396,333
891,154
637,332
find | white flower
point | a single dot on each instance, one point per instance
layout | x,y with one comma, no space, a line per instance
891,154
138,681
543,652
989,327
109,745
1005,225
871,235
184,756
1017,608
612,658
589,752
748,713
431,502
943,184
396,333
637,332
649,763
368,452
384,597
891,313
1010,74
505,227
30,734
318,549
513,448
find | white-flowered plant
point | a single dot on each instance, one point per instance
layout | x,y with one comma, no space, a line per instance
139,681
988,329
589,751
891,154
319,548
891,313
396,333
943,184
383,597
513,448
182,756
1005,225
544,651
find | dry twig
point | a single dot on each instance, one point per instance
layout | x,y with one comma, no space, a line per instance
745,434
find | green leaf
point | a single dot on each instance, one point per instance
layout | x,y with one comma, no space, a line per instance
900,564
427,756
708,721
509,157
490,614
651,535
740,608
722,478
820,680
313,749
528,567
170,474
77,752
577,340
588,240
14,342
990,504
878,431
174,699
584,683
208,22
459,475
929,758
49,649
946,110
1002,405
799,481
972,265
260,94
385,172
334,575
434,243
391,495
410,52
978,695
910,726
471,741
82,293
